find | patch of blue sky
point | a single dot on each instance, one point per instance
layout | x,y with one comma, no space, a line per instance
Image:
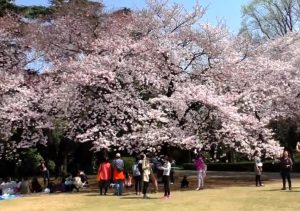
36,62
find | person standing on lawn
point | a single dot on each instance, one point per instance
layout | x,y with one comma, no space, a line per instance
45,173
137,175
257,168
201,171
104,175
286,164
166,176
146,174
153,170
118,174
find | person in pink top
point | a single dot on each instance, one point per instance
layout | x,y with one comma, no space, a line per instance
104,175
201,171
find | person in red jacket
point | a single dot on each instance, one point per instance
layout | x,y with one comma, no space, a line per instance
118,174
104,175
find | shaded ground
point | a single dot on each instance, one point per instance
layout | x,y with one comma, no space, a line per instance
214,179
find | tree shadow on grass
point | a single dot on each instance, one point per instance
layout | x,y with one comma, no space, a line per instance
282,191
139,197
103,196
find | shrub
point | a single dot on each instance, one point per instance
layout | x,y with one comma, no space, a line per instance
51,166
30,162
128,163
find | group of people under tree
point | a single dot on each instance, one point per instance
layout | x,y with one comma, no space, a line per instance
143,172
69,182
10,186
76,180
24,185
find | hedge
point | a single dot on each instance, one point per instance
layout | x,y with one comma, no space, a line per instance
128,163
242,166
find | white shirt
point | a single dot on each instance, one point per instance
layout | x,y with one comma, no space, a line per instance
167,168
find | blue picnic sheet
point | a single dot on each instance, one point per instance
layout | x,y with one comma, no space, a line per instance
8,196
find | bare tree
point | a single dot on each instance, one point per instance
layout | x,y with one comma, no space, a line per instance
271,18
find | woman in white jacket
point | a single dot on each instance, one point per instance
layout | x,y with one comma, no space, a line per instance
146,174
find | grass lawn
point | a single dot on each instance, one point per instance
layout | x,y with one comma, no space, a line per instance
223,198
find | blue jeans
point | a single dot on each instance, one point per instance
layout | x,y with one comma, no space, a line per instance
119,187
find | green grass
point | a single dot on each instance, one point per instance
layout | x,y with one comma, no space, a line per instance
220,198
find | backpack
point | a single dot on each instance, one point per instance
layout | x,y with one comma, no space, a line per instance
118,167
135,170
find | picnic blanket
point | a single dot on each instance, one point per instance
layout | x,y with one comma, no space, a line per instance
7,196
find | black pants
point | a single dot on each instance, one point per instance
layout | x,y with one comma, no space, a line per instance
258,180
70,188
46,177
166,180
103,184
138,183
145,187
286,175
172,178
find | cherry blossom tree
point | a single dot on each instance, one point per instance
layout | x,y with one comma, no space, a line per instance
21,118
156,80
142,80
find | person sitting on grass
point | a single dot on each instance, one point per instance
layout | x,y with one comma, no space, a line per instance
68,183
35,186
8,186
184,182
24,187
84,178
77,183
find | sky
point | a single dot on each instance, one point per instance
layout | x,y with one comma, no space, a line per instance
228,11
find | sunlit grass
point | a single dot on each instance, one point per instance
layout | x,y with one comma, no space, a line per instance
223,198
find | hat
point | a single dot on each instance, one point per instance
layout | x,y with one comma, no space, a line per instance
259,164
118,155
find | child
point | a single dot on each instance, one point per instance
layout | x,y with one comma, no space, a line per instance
184,182
128,181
